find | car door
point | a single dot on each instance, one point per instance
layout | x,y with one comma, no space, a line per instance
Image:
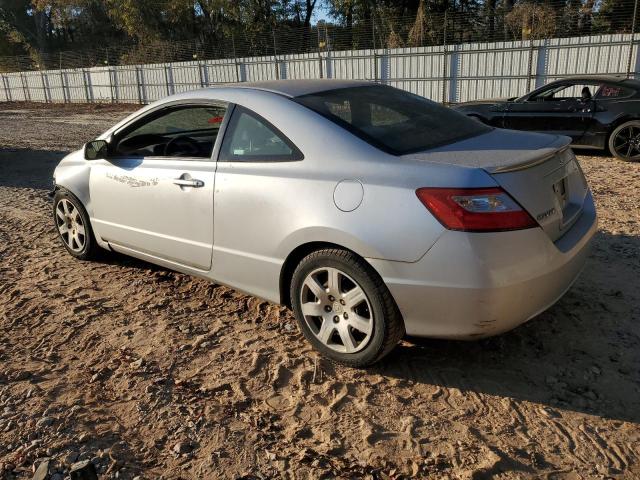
153,195
610,101
558,109
258,169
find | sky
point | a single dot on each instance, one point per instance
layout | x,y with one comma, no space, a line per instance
321,13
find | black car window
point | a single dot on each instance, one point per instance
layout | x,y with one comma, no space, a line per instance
566,91
608,92
392,120
176,132
251,138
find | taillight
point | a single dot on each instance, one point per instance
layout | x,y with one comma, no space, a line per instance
475,209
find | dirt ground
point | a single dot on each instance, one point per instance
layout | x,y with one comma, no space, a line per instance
153,374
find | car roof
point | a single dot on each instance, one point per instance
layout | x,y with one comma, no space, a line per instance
297,88
600,78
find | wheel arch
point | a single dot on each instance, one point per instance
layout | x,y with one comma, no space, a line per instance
72,174
296,256
292,261
74,179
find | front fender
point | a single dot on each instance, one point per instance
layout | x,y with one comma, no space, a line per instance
72,174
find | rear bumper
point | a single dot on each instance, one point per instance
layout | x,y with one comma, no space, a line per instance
474,285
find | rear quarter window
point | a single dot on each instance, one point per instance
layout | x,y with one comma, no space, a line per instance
614,91
251,138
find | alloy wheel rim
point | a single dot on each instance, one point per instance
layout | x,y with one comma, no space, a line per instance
70,225
627,143
336,310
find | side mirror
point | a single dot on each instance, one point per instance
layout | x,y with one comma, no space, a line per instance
95,149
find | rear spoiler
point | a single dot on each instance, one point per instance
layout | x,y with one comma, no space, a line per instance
536,159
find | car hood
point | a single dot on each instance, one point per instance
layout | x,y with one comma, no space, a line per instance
495,151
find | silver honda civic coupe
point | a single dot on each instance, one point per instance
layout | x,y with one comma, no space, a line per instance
371,212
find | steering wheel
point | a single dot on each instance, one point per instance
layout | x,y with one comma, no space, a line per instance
182,144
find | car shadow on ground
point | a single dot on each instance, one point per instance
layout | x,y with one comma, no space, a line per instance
592,152
28,168
583,354
121,260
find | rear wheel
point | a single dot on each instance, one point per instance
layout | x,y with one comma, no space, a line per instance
72,223
624,141
344,309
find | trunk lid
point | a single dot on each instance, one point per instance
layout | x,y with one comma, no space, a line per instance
539,171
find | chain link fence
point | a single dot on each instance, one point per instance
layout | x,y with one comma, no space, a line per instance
448,58
524,22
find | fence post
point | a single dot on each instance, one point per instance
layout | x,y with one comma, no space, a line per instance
166,79
235,58
236,67
44,88
275,54
373,28
530,66
64,93
444,60
319,53
200,75
25,89
87,86
375,66
7,90
84,84
113,99
633,38
116,92
140,100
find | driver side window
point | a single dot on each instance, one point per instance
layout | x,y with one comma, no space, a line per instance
178,132
564,92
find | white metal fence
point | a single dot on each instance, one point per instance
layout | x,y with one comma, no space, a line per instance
449,74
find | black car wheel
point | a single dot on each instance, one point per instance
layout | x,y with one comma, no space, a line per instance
624,141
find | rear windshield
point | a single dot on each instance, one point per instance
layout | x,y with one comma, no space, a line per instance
393,120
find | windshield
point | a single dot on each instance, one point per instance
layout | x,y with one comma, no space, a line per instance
393,120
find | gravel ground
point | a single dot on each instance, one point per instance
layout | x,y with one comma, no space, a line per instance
153,374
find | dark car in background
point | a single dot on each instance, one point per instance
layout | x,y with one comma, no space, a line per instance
600,112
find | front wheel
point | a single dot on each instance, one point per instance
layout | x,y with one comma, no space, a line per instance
73,227
344,309
624,141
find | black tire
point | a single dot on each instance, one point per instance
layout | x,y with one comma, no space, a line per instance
383,314
88,249
624,141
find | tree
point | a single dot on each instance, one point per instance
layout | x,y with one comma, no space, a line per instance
531,20
615,16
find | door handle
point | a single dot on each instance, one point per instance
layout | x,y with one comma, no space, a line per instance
195,183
